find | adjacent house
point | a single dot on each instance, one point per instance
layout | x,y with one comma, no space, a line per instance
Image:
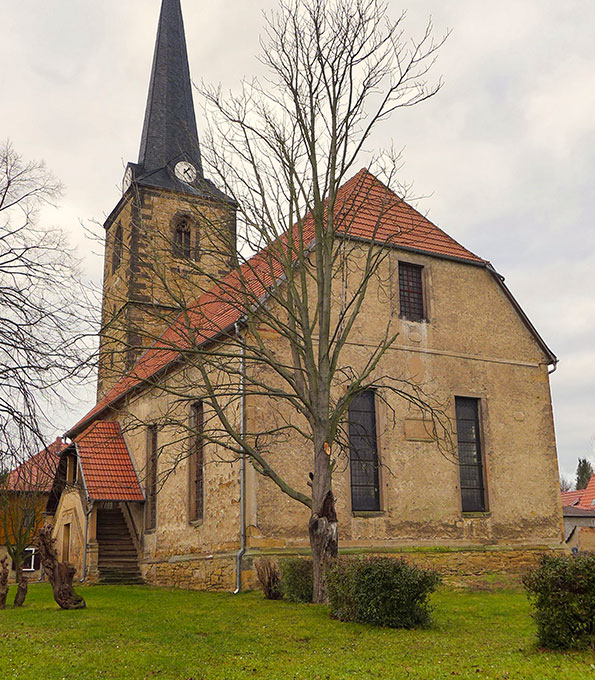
131,501
578,508
23,499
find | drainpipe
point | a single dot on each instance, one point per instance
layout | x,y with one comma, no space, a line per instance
87,515
242,550
554,367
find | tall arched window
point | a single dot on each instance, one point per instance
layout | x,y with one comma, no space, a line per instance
117,249
182,243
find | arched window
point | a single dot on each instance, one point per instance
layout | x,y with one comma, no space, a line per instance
117,250
182,244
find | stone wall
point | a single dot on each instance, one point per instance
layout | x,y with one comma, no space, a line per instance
192,572
142,296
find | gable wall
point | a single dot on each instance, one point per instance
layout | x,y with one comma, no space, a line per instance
474,344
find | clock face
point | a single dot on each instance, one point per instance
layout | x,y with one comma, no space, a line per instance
185,172
127,179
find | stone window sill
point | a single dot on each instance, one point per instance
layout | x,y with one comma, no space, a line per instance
471,515
196,522
368,513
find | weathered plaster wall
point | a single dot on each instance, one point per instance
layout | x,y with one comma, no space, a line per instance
473,344
70,511
181,551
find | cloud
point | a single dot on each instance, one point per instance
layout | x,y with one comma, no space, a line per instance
505,153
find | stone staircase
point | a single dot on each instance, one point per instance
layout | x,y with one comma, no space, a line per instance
118,558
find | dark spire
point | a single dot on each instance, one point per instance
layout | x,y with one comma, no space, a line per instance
169,132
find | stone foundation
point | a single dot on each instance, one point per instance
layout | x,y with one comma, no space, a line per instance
459,566
193,572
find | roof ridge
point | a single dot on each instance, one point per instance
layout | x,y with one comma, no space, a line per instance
136,375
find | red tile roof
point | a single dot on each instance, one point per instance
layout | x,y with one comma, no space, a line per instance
571,497
108,471
583,498
37,473
368,209
365,209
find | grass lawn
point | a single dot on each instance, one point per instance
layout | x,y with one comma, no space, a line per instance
140,632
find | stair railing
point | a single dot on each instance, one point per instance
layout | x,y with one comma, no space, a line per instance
131,524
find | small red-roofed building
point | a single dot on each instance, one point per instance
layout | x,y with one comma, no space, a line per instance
23,498
578,509
155,483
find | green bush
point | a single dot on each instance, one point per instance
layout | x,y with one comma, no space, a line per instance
562,591
297,579
381,591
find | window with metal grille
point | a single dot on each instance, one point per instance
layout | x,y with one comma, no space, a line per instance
363,453
196,462
182,238
470,455
411,294
151,479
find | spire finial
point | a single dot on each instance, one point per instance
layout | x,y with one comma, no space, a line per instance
169,132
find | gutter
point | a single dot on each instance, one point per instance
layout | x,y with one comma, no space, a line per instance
242,550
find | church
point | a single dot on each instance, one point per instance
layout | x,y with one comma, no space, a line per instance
143,492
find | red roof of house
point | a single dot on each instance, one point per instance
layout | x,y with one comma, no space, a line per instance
365,209
572,497
582,498
37,473
108,472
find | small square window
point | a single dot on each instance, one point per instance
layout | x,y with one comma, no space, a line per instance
411,294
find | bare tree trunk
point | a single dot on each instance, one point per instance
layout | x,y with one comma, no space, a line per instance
22,587
323,525
60,574
3,582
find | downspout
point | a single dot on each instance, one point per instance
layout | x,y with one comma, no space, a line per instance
242,550
87,515
88,512
554,367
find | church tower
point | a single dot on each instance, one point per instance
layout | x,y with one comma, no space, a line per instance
172,234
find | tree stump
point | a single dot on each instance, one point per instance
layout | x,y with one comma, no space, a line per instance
22,588
60,574
3,582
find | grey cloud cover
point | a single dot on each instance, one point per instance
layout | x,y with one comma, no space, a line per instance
505,154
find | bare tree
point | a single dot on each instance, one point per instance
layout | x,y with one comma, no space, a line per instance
279,325
60,574
44,316
3,582
23,497
46,334
565,484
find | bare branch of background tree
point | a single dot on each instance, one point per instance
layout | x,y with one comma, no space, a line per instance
45,325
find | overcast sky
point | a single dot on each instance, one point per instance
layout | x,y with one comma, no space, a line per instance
505,154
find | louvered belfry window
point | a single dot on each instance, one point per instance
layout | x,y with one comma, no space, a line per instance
411,294
182,239
363,453
196,463
470,455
